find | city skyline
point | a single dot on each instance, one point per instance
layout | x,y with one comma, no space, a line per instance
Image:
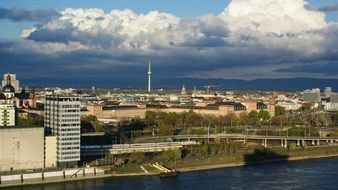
91,90
239,39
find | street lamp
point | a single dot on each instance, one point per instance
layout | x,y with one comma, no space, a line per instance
188,134
287,132
208,131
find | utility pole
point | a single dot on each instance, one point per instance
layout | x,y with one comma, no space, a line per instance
188,134
309,131
208,131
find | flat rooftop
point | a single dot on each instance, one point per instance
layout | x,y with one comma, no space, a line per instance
21,127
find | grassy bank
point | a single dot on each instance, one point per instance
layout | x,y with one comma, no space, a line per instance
193,159
264,155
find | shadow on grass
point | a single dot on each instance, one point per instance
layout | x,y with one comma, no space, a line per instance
264,155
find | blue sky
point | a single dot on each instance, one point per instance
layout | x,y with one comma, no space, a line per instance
186,8
180,8
185,42
177,7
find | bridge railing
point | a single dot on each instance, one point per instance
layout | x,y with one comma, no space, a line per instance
151,145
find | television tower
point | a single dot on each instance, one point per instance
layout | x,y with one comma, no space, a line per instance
149,77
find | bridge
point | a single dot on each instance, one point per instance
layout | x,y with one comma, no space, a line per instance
116,149
284,140
300,141
149,147
186,140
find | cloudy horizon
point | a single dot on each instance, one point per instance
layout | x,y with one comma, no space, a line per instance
249,39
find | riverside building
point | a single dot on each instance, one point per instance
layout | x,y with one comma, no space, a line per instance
21,147
62,120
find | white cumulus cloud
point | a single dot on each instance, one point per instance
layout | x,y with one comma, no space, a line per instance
246,32
272,16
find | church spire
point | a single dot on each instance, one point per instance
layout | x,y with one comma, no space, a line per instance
8,80
184,91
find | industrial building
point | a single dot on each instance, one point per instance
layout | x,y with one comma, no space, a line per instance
21,148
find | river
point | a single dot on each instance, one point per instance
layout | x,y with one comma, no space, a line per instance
309,174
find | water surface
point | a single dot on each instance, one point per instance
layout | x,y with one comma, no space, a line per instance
311,174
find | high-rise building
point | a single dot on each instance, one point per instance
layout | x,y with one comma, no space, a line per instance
149,77
7,115
311,95
327,92
12,80
62,119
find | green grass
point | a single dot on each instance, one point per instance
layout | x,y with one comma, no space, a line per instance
127,168
227,157
218,159
239,156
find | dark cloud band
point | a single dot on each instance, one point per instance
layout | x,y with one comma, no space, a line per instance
328,8
19,14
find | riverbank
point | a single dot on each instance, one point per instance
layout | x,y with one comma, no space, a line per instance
224,161
239,160
56,176
229,165
54,181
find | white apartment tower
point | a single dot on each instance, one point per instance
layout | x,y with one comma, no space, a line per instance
62,119
7,115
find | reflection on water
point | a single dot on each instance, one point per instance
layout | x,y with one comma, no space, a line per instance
314,174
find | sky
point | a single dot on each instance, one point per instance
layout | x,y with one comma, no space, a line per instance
238,39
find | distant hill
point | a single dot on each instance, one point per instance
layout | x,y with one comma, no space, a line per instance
293,84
